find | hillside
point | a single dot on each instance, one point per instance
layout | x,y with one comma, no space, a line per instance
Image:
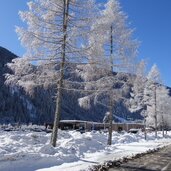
7,100
39,105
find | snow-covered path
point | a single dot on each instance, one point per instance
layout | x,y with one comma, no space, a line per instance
119,152
30,151
159,160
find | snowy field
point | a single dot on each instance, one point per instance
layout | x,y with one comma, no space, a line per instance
30,151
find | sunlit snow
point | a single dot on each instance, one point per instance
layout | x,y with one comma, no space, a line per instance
29,151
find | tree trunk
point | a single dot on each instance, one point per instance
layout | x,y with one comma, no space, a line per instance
110,123
155,110
145,130
60,85
163,131
111,49
162,125
110,103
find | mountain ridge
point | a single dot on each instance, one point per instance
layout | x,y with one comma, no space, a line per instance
39,107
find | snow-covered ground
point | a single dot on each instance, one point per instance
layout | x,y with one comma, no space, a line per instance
30,151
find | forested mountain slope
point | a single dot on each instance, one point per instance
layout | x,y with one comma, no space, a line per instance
39,104
7,101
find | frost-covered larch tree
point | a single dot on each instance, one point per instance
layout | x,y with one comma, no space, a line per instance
163,101
165,112
57,31
150,96
112,33
137,94
139,80
112,49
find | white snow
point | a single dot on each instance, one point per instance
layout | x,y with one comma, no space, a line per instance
30,151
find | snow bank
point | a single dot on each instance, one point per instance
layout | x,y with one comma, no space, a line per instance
30,151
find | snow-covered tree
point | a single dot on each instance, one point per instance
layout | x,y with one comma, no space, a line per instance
137,93
163,107
116,44
57,31
139,80
150,96
166,114
112,49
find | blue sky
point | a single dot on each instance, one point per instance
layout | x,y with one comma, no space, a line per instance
150,18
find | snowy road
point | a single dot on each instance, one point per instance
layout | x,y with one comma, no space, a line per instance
158,161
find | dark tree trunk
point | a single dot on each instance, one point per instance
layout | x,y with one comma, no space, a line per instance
111,49
155,111
145,130
60,85
110,103
110,123
162,125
